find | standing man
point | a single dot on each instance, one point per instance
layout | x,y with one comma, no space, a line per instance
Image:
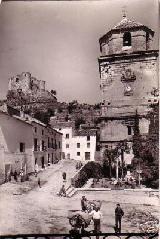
84,203
64,176
15,175
118,217
96,215
39,182
62,191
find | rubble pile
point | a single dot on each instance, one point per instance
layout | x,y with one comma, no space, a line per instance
144,220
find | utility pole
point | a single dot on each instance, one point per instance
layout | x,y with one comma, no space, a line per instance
122,160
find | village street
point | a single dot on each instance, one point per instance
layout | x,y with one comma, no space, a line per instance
40,210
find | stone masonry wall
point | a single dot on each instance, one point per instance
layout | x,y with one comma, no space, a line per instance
26,83
113,88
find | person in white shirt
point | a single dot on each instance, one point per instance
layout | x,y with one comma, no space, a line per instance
96,215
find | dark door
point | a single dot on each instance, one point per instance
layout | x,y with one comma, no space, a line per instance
87,155
42,160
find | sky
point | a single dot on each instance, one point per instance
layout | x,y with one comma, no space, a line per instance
58,42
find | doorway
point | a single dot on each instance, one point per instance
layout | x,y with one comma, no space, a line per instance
42,160
87,155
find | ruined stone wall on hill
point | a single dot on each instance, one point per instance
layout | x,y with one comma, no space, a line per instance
27,93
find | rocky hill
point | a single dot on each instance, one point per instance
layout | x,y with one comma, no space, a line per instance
28,94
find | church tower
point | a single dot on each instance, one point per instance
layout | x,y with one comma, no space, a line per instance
128,69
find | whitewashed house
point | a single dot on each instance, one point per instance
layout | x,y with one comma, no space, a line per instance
25,142
77,145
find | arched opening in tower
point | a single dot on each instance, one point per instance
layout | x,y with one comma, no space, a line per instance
127,39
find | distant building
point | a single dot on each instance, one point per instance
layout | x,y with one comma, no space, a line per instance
128,76
26,82
26,142
77,145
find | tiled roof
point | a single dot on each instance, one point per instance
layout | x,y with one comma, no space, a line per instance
86,132
126,23
62,124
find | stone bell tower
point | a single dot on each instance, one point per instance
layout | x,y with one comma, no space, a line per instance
128,76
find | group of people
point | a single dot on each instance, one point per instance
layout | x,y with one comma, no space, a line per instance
97,215
15,175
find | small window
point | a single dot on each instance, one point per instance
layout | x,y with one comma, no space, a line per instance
43,145
35,144
42,132
17,79
78,154
22,147
48,159
87,155
48,142
88,137
52,144
67,146
127,39
88,145
78,145
55,142
35,129
129,130
67,136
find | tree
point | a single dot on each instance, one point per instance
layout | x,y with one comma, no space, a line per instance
60,109
146,150
42,116
72,106
50,112
53,92
137,142
78,122
109,157
97,106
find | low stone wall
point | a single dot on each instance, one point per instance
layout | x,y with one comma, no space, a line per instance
131,196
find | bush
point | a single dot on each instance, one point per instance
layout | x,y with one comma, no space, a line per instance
155,184
90,170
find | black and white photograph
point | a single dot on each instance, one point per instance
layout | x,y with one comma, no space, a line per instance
79,119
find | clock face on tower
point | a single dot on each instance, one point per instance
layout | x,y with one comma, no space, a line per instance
128,90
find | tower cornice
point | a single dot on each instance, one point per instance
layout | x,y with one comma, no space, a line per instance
126,56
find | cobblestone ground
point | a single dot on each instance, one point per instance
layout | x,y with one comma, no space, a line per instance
40,210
